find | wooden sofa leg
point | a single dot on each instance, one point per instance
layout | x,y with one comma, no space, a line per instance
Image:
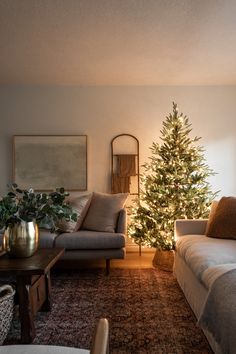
108,263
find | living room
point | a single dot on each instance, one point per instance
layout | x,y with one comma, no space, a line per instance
104,68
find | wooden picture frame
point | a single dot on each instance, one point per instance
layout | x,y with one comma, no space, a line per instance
46,162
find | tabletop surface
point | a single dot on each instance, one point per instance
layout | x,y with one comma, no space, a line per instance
39,263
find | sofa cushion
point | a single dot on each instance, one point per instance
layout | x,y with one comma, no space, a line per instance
46,238
103,212
210,275
90,240
201,252
223,221
80,205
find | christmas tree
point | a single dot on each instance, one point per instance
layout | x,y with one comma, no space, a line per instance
174,185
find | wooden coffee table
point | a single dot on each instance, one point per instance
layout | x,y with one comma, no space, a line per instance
33,285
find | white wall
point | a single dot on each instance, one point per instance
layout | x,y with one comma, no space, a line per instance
103,112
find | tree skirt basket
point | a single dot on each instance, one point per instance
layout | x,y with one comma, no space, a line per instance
6,310
164,260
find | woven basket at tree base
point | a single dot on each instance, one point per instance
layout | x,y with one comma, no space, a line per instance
6,310
164,260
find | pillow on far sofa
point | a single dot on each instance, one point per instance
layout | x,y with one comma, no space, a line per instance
103,212
211,214
80,205
223,221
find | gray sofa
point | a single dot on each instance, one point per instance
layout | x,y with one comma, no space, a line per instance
98,233
86,244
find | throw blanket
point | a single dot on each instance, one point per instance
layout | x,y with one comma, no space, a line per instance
219,312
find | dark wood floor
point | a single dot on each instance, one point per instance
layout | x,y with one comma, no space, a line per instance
131,261
134,260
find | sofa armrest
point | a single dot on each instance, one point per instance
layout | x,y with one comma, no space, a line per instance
1,238
122,222
190,226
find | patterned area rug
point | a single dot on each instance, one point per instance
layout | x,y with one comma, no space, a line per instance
146,310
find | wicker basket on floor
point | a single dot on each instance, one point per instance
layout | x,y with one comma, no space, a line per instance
6,310
164,260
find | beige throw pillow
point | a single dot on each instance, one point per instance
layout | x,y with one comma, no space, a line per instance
80,205
103,211
223,221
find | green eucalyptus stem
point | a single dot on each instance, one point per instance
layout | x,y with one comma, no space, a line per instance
42,208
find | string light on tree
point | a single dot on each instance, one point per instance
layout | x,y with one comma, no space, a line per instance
174,185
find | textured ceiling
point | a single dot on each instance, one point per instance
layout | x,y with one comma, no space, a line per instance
117,42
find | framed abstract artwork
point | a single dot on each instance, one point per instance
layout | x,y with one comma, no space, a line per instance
46,162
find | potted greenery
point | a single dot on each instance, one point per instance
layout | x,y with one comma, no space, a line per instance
22,211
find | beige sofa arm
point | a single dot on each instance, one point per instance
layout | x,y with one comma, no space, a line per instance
190,226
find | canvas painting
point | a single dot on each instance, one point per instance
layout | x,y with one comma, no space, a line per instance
49,162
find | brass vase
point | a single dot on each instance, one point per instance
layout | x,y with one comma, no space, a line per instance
21,239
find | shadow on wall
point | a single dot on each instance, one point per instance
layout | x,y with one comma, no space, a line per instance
219,157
